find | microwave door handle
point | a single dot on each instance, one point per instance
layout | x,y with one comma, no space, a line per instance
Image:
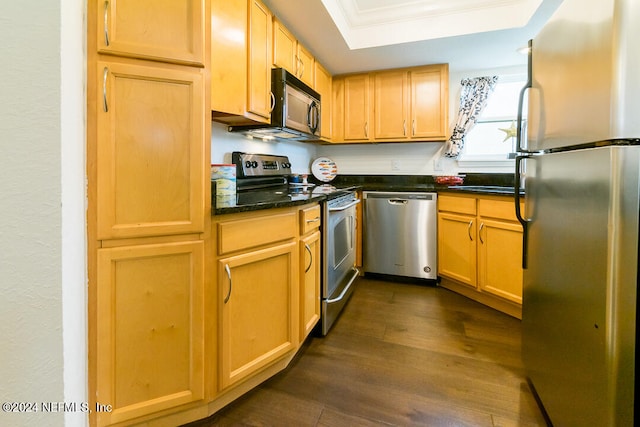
312,117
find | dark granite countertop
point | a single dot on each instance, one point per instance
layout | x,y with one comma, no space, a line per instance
474,183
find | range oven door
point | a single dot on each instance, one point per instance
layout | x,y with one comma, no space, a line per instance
339,260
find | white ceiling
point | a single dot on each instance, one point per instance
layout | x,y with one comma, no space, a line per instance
467,34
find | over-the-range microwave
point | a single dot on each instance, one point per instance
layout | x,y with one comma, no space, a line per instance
296,112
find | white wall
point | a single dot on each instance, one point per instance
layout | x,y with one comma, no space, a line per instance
42,255
366,159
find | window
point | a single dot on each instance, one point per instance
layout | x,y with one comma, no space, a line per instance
493,136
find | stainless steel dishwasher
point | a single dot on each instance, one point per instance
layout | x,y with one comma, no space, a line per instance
400,234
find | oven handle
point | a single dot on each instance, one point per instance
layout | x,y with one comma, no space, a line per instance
345,207
356,272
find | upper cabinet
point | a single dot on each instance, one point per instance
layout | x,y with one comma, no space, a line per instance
172,33
357,108
322,84
241,58
398,105
291,55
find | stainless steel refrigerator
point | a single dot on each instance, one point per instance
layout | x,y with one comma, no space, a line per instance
579,163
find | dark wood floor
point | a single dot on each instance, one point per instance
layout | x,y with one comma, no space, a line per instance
399,355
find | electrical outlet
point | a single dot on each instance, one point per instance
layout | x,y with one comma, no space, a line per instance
395,165
437,164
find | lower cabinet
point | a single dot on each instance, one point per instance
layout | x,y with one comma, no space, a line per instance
480,249
267,269
150,329
257,300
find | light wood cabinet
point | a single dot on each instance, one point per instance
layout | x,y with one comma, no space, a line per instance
172,32
323,85
391,104
241,59
357,108
480,249
411,104
268,288
429,95
257,305
150,329
148,157
457,247
151,158
400,105
310,264
499,250
291,55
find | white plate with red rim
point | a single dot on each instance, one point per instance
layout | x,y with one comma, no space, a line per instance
324,169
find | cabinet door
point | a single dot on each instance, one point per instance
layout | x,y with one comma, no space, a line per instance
260,59
337,107
258,308
306,65
500,259
322,85
150,145
429,103
457,247
309,283
171,32
149,328
356,107
390,105
285,48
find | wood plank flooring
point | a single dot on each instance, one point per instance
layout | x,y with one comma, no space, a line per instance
400,355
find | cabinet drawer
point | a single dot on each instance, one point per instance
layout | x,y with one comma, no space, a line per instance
503,209
465,205
248,233
309,219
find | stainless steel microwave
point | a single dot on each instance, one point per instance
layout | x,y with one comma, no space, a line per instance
296,112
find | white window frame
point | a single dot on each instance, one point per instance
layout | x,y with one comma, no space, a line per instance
468,161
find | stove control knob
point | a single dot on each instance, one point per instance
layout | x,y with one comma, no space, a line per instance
247,164
286,165
254,164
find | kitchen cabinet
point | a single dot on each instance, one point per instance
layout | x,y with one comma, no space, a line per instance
411,104
258,294
399,105
310,264
480,249
291,55
391,103
322,85
241,59
173,32
150,347
148,157
151,158
357,108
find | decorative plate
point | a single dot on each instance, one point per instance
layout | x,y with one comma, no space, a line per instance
324,169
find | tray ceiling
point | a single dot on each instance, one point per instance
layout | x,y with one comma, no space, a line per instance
372,23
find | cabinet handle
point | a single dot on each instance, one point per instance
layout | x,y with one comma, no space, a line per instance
404,128
366,129
469,230
480,232
106,23
316,219
226,267
310,257
105,105
413,127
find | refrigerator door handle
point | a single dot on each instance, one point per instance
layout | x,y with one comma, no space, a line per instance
524,221
528,85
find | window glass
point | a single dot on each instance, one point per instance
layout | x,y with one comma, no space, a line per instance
494,133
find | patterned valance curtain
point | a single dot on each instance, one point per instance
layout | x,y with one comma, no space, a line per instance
473,99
